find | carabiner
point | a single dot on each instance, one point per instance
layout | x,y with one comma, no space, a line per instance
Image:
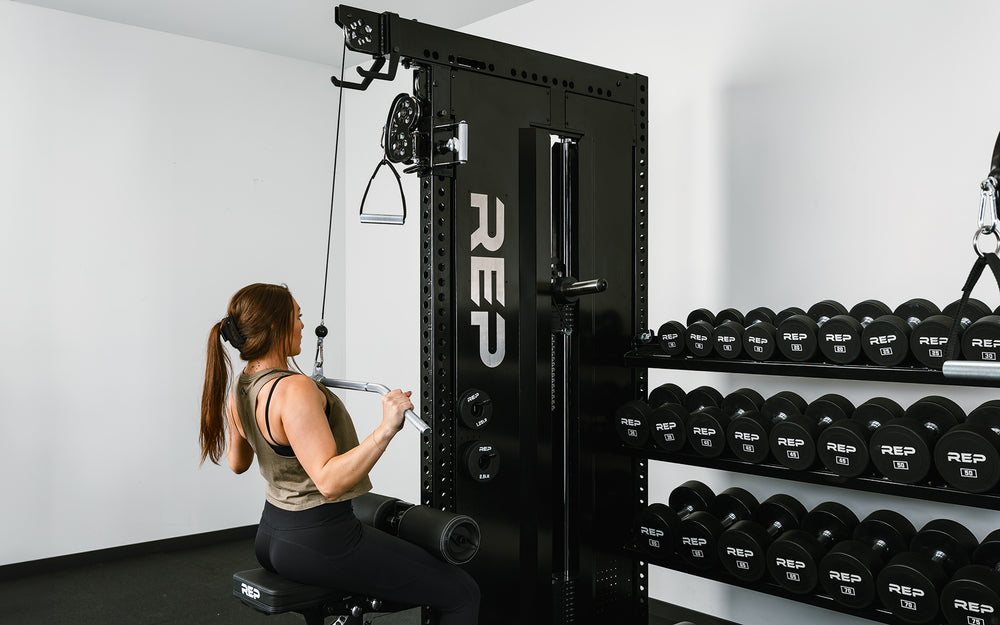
988,206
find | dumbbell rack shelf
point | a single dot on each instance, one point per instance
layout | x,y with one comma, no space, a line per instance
651,357
768,587
883,486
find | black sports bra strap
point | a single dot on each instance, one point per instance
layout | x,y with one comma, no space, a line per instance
267,415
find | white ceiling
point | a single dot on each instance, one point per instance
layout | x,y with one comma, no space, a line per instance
302,29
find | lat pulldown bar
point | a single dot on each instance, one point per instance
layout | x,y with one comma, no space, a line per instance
374,387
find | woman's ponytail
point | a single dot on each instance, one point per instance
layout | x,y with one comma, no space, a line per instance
213,398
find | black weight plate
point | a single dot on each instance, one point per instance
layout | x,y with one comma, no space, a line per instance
902,451
843,448
848,574
929,341
702,314
974,310
981,340
728,339
742,550
696,541
698,339
869,310
670,337
747,437
653,531
742,400
793,561
729,314
762,313
972,596
916,310
702,397
826,309
668,426
840,339
792,444
908,587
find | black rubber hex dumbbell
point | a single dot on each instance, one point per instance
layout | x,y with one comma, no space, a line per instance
743,547
903,448
886,340
798,335
968,455
981,340
666,401
657,526
909,585
843,446
973,593
698,537
727,336
759,336
849,572
793,441
748,434
840,338
929,340
793,560
698,336
632,422
670,338
707,427
669,421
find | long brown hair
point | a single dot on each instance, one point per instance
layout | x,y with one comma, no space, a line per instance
264,315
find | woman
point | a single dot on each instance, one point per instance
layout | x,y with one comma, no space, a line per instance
309,454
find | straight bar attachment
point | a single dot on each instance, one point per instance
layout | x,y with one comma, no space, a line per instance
374,387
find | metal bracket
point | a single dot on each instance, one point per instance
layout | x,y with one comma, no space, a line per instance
457,143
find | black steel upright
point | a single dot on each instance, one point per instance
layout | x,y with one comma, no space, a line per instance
533,278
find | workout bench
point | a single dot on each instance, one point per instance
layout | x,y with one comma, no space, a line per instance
268,593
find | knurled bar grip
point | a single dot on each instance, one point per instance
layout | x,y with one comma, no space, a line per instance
374,387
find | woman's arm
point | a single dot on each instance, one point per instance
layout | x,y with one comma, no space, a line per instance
303,422
238,451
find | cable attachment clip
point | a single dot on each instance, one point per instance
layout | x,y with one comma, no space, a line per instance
987,216
321,332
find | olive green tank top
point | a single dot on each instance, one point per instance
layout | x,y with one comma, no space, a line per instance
288,485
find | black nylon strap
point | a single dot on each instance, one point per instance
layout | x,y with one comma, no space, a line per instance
995,163
993,261
399,183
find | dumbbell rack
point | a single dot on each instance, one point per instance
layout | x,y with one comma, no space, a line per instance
644,357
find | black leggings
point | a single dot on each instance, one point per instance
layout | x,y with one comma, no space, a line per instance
327,546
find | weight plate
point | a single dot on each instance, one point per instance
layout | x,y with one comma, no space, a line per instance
972,596
747,437
901,451
741,401
974,310
728,337
762,313
840,339
482,461
792,561
792,444
707,432
702,314
796,338
908,587
981,340
653,531
742,550
698,339
848,574
929,340
666,394
475,408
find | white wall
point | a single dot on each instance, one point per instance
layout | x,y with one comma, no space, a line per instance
799,151
144,178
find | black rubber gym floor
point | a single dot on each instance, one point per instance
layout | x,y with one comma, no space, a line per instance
175,587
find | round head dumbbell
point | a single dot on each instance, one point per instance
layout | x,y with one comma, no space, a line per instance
886,340
981,340
669,421
727,336
743,547
707,427
797,337
698,537
793,441
967,456
909,585
793,559
849,571
657,525
843,446
632,422
748,434
698,336
973,593
929,340
667,412
759,335
840,338
670,338
903,448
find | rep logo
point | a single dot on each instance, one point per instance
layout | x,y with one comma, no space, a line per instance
488,280
249,591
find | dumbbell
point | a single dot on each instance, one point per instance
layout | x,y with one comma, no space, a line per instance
973,593
454,538
657,525
670,338
968,455
886,340
843,446
698,338
840,339
748,435
706,430
903,448
632,422
699,533
793,559
797,337
849,571
743,547
981,340
727,336
669,421
929,340
909,585
793,441
759,336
